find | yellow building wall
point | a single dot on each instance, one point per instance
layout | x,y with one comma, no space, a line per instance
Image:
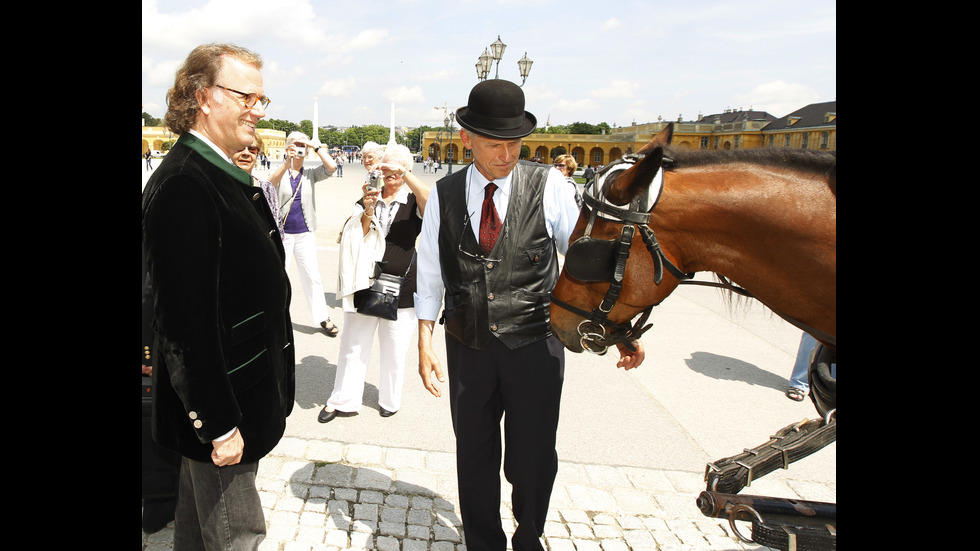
155,137
603,149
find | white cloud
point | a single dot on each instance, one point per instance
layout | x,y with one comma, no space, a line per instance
572,109
616,89
366,40
379,50
338,88
637,112
610,24
441,75
405,94
162,73
778,98
292,23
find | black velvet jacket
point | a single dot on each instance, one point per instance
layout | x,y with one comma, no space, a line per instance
223,348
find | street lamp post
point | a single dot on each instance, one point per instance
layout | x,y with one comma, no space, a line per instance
483,64
449,124
449,118
524,64
495,54
498,48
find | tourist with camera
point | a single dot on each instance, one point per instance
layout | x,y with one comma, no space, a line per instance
297,213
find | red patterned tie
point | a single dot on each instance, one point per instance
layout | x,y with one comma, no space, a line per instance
490,223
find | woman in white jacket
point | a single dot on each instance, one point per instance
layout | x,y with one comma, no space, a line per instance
384,227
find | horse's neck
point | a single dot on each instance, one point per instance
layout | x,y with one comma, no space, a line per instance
769,232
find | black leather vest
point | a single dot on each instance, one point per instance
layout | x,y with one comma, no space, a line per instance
508,293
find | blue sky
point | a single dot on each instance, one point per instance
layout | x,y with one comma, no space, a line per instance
615,62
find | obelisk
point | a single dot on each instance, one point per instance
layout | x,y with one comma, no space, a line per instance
316,122
391,134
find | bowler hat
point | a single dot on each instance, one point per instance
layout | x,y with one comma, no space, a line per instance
495,109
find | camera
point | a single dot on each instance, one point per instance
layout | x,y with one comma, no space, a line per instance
375,181
300,151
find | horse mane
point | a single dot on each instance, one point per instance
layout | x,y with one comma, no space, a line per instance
820,163
816,162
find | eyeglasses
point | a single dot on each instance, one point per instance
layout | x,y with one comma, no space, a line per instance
251,149
559,166
478,257
249,99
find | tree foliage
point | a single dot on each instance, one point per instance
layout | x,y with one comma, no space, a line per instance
359,135
276,124
150,121
413,139
575,128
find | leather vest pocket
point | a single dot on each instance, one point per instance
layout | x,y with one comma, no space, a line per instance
537,255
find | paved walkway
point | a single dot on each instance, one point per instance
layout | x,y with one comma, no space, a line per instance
632,446
332,496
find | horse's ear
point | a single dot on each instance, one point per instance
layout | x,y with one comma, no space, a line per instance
638,178
662,139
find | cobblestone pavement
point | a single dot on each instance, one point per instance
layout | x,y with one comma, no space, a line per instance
331,496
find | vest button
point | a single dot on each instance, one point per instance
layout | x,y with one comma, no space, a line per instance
493,327
489,265
256,197
490,296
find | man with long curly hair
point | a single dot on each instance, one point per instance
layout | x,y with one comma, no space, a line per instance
223,360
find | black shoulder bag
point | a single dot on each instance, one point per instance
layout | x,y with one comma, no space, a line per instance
381,298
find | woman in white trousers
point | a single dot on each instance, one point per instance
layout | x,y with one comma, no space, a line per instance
384,227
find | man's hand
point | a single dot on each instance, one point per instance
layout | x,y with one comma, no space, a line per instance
228,452
629,359
429,368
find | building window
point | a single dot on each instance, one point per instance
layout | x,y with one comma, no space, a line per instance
806,141
786,141
704,142
824,140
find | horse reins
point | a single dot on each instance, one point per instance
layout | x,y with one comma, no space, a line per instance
592,329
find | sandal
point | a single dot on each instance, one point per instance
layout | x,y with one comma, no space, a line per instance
332,330
795,394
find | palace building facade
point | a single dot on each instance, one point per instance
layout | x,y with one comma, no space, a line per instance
812,127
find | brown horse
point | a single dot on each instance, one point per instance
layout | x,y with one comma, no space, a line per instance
764,219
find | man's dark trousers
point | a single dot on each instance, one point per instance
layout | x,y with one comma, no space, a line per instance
524,386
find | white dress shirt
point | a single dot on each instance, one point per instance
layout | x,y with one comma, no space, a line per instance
560,211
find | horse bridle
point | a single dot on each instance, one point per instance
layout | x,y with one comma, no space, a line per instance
594,260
